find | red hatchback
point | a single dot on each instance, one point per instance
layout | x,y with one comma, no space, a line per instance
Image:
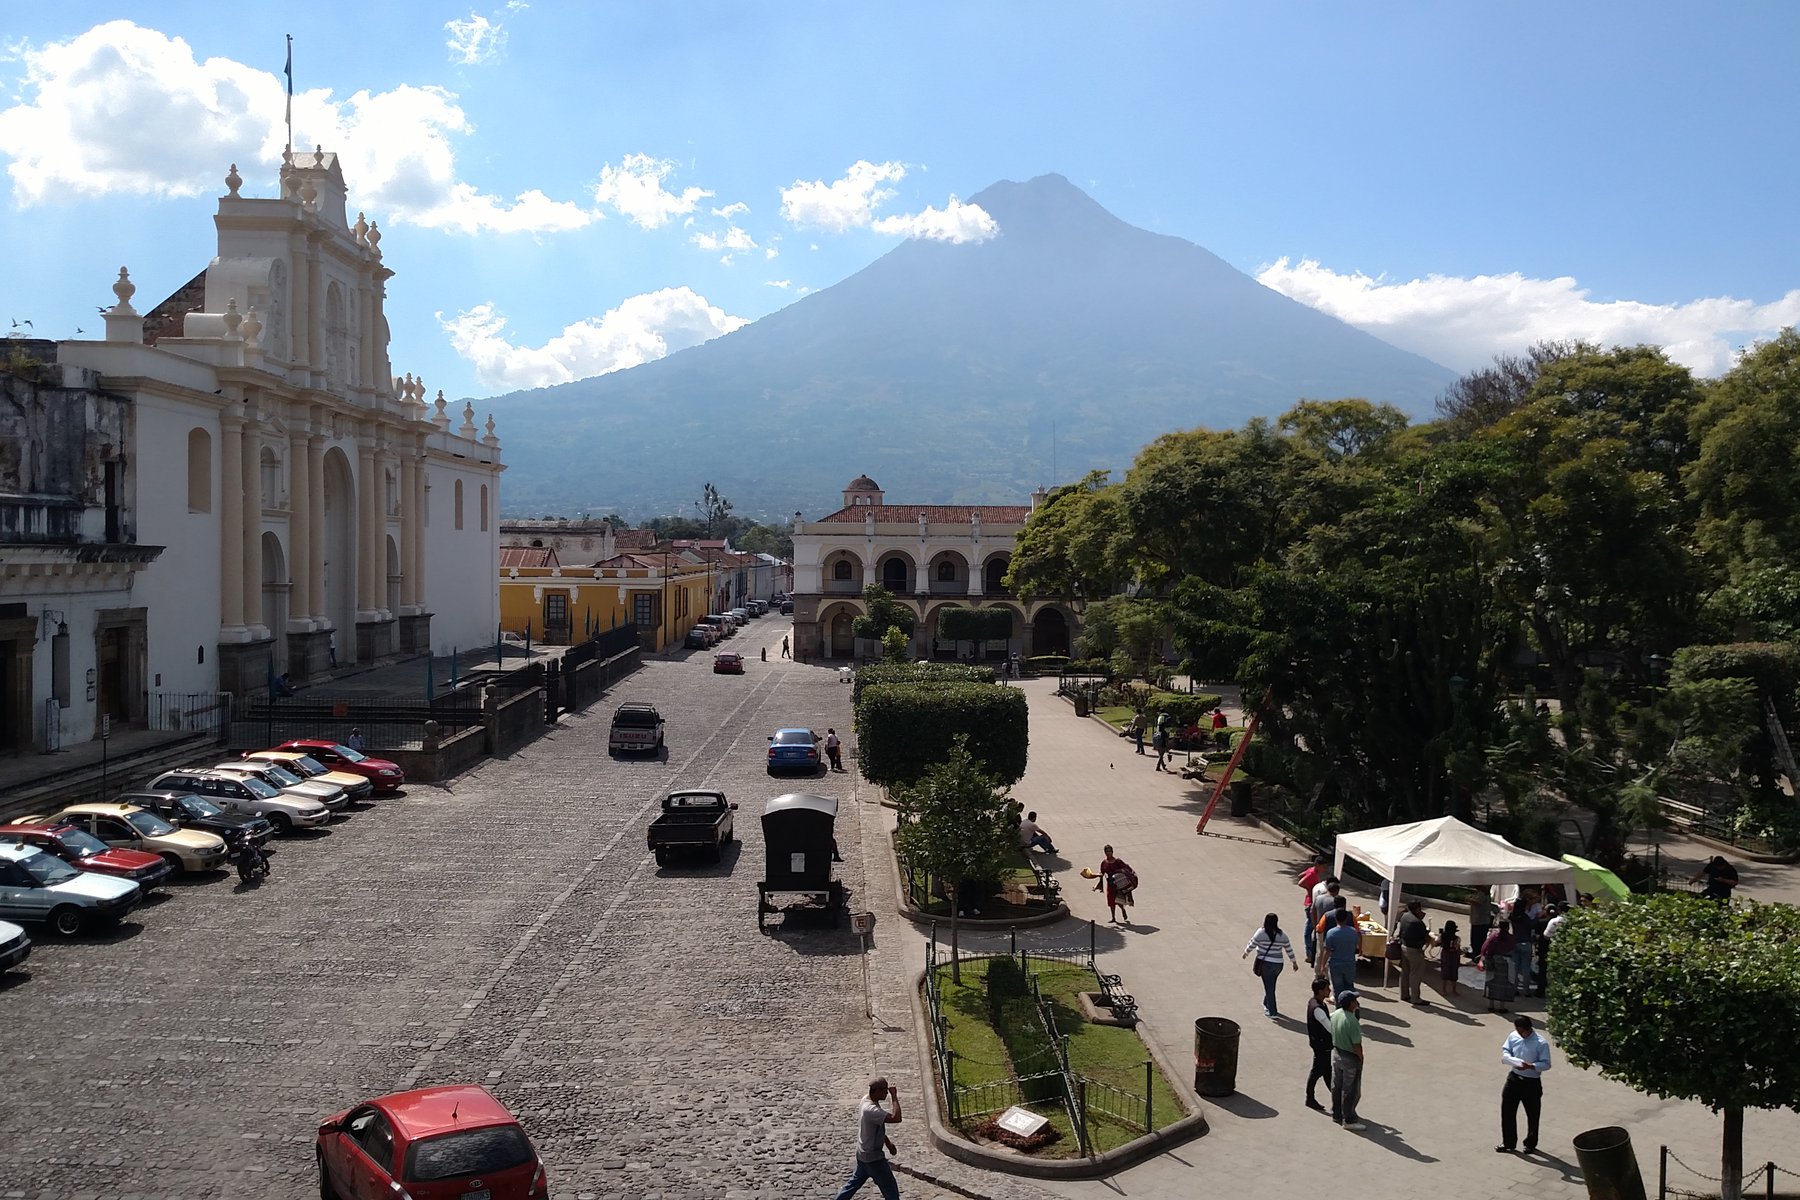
386,776
441,1143
85,852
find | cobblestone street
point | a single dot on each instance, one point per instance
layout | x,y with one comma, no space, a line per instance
509,929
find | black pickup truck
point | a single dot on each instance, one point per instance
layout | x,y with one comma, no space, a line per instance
691,821
636,727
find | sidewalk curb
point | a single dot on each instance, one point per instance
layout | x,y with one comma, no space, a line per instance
1008,1162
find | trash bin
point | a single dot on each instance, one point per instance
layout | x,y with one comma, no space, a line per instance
1608,1164
1081,704
1240,797
1215,1056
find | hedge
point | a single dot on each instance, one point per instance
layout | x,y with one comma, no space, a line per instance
1773,666
960,623
904,728
1183,709
1088,666
1014,1016
917,672
1046,664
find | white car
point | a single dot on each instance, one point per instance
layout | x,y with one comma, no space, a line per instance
15,947
246,793
35,885
275,775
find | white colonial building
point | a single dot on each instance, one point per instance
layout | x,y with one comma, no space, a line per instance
255,493
930,556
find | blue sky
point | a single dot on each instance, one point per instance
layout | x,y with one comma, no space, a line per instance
570,188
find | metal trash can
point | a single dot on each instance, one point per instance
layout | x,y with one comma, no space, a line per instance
1240,797
1215,1056
1608,1164
1081,704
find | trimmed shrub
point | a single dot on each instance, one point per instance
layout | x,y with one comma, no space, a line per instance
1182,708
1046,664
917,672
1088,666
960,623
1015,1018
902,729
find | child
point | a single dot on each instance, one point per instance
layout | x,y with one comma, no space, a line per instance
1450,960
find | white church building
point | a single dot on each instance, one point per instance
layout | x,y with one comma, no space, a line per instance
235,485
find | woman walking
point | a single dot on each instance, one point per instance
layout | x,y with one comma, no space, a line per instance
1120,882
1450,964
1496,963
1269,943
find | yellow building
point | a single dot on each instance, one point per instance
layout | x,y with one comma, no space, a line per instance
550,603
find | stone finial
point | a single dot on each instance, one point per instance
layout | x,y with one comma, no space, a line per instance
232,319
490,439
253,328
404,389
233,181
374,239
290,185
441,418
360,230
468,426
124,289
309,195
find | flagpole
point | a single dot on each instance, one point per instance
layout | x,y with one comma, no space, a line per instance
289,72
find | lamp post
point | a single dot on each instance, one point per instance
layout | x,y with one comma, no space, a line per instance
662,635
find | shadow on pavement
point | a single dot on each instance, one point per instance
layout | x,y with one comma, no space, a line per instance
1240,1105
1389,1139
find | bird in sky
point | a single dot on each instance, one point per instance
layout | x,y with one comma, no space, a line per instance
17,323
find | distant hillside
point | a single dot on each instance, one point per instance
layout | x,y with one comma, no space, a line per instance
946,372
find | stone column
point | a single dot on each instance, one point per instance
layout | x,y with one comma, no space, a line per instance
300,534
366,508
299,321
416,567
384,460
231,522
315,497
409,533
315,303
250,576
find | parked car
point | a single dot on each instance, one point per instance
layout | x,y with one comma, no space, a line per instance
247,794
697,638
35,885
440,1143
727,663
756,608
85,852
742,614
720,624
290,784
777,599
692,820
185,810
794,750
787,608
386,776
15,947
635,727
129,827
358,787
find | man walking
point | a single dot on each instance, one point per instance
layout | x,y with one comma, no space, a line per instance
1159,741
1414,937
833,750
1318,1037
1342,941
784,647
1346,1062
1527,1055
1312,882
871,1136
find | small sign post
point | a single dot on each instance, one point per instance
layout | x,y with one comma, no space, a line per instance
861,923
105,732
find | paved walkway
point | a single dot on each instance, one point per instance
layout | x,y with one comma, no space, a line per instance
1431,1094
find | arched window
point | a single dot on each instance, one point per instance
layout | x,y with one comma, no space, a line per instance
199,471
841,569
456,505
893,574
484,509
946,572
995,573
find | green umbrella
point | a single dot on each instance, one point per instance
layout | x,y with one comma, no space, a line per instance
1596,880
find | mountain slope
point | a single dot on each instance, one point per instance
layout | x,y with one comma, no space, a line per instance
952,374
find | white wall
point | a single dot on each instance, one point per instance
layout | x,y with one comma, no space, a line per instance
462,567
181,588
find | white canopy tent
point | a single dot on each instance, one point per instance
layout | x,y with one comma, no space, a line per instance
1445,851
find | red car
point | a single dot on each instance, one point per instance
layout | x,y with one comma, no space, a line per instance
386,776
440,1143
726,663
85,852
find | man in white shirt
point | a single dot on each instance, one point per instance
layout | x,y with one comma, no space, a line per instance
872,1121
1031,834
1527,1056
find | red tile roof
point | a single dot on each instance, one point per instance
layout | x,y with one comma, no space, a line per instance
634,539
999,514
527,556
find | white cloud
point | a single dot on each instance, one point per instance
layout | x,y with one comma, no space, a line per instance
66,137
735,209
850,203
847,203
474,41
641,329
1464,323
635,190
783,284
955,222
734,241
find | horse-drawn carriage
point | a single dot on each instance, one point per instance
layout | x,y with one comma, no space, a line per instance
799,838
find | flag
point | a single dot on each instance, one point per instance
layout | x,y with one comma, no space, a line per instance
288,70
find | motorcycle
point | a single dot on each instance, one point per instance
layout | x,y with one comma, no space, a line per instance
251,860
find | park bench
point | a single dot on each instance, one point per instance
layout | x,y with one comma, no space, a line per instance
1046,885
1113,994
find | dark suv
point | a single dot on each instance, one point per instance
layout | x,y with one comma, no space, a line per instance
190,811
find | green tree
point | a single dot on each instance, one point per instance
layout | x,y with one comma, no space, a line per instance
714,509
955,825
775,540
1136,627
1489,395
884,613
1678,997
895,648
1069,547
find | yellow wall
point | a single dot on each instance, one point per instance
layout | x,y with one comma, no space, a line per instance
607,602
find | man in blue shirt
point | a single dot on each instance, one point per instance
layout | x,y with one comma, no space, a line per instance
1341,944
1527,1055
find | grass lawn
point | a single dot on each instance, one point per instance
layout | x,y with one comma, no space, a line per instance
1105,1053
1018,872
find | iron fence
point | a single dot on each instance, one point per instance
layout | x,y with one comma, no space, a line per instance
190,712
386,723
1760,1181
